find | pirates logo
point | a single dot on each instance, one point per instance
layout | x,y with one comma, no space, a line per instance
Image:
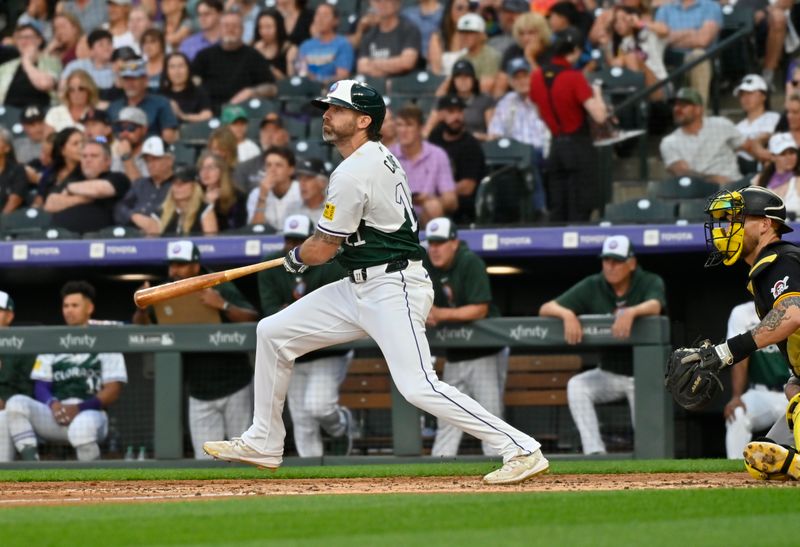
779,287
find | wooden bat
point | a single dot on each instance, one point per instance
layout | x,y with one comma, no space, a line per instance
151,295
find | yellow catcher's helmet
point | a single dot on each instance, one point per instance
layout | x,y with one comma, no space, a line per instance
728,210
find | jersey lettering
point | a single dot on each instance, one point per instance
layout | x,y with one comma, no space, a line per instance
401,198
391,164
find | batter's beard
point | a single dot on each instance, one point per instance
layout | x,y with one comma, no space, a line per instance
331,136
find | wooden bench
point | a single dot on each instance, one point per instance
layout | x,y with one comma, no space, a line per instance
540,380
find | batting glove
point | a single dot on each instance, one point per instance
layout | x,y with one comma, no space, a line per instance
292,262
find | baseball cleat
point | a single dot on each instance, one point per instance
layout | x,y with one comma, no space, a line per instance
772,459
236,450
518,469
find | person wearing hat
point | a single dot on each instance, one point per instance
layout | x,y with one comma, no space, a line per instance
758,124
248,174
87,205
462,293
391,46
13,179
141,204
702,146
313,394
486,60
465,153
464,82
184,210
15,373
98,64
312,174
782,173
30,78
28,147
219,384
625,291
130,129
235,117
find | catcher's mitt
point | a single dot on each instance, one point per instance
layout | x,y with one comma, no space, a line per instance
692,375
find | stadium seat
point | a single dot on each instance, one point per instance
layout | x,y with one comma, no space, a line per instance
22,222
505,151
297,127
311,149
197,132
259,229
295,94
692,210
681,188
54,232
640,211
415,84
504,196
379,84
9,118
114,232
185,154
258,108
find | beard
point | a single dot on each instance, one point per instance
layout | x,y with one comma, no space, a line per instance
454,129
333,134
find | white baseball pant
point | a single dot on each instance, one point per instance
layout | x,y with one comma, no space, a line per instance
484,380
591,387
222,418
313,399
762,409
391,308
28,418
6,446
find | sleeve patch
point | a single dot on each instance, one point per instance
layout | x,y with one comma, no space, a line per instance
329,211
780,287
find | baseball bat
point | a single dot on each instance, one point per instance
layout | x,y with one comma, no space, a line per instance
151,295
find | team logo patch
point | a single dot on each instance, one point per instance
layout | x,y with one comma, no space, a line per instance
780,287
329,211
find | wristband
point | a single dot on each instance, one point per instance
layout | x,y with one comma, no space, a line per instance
226,306
51,400
742,346
90,404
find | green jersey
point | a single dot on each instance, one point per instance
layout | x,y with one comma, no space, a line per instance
76,377
767,366
593,295
15,375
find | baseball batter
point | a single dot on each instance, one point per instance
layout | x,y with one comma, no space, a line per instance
368,224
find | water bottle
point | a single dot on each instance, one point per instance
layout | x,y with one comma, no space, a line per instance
142,454
129,454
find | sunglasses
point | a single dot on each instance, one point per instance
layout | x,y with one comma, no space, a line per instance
129,127
79,88
795,83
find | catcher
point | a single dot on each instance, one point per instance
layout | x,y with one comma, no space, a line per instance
747,224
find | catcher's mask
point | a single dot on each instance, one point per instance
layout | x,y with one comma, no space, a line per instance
728,210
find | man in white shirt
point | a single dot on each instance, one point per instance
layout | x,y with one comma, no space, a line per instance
270,201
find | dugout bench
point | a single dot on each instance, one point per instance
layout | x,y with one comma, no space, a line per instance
649,342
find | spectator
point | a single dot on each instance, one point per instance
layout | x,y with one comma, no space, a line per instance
119,60
189,102
67,33
273,43
757,398
183,212
219,384
565,14
462,293
222,142
14,378
229,203
701,146
139,22
516,117
141,203
63,409
445,47
313,178
235,117
39,168
780,15
484,59
781,173
464,151
297,18
79,97
248,174
313,395
269,202
160,119
98,64
131,131
209,13
479,106
97,125
391,46
693,28
510,11
29,145
119,12
625,291
66,163
249,13
758,124
13,180
30,78
90,14
233,72
564,99
87,205
532,40
37,13
389,129
426,15
327,56
177,23
153,49
430,176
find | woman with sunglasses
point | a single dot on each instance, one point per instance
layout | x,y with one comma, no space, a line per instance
79,97
183,212
66,164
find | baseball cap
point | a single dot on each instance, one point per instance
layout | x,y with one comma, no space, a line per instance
297,227
125,53
132,114
463,66
471,22
617,247
96,115
311,166
272,117
689,95
232,113
32,114
183,251
516,64
450,101
120,2
565,41
156,147
6,302
515,6
780,142
186,173
751,82
441,229
134,68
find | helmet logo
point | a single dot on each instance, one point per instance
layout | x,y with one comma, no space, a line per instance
780,287
333,87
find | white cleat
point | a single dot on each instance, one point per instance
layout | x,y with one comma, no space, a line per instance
518,469
236,450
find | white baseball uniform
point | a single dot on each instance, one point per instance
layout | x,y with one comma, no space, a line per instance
387,296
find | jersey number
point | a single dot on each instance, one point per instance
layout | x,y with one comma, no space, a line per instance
401,197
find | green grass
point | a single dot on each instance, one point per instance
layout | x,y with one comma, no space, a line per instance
723,517
225,471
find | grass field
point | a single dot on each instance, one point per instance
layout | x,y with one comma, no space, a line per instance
706,516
